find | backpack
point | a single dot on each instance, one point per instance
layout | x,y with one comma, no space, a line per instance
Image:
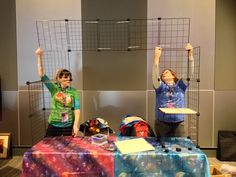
135,126
140,129
95,126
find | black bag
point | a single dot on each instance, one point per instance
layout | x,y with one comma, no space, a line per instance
226,146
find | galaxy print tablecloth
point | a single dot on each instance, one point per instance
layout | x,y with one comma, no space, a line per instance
173,157
77,157
68,157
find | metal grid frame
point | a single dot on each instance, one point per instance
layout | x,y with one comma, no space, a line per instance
54,60
193,97
176,59
37,113
113,35
59,37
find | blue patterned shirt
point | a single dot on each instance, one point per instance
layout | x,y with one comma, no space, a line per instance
170,96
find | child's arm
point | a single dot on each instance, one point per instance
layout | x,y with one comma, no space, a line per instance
155,67
189,48
39,53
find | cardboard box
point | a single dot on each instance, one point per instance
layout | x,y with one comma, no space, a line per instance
215,172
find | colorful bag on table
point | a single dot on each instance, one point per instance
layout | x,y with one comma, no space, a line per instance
140,129
95,126
135,126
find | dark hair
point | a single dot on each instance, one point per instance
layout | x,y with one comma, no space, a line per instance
172,72
64,73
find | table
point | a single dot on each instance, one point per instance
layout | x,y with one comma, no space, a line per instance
77,157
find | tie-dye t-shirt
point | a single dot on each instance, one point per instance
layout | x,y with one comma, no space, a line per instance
170,96
63,103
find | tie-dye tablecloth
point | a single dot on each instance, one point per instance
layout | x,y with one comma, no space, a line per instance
77,157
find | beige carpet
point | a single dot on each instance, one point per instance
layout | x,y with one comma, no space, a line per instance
12,167
214,161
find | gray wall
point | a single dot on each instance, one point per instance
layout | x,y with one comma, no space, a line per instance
8,69
217,93
8,60
127,70
225,60
225,63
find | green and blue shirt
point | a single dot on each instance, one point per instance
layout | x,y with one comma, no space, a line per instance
63,103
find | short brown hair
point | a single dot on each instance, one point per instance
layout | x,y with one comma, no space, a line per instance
63,72
172,72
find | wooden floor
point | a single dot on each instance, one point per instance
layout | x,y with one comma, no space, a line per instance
12,167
